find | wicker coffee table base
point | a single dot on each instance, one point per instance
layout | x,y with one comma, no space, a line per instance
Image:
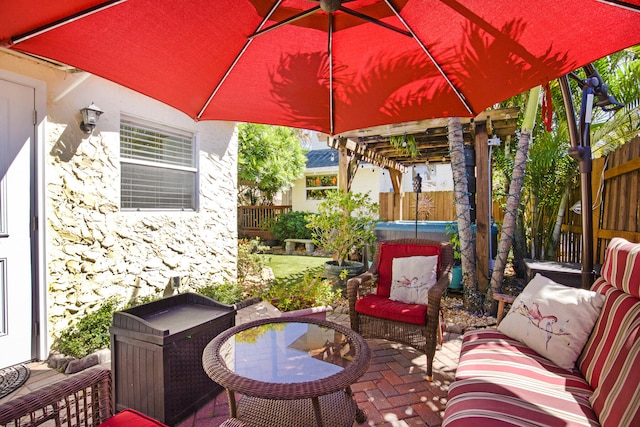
337,409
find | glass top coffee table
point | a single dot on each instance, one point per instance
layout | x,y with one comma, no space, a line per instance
290,371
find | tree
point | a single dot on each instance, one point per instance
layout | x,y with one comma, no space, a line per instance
621,72
513,199
270,159
472,298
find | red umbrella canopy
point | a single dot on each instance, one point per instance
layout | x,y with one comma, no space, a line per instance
330,66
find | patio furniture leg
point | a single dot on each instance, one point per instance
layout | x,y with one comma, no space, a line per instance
361,416
233,410
317,411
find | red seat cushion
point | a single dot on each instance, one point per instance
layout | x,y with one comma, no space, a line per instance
383,307
389,251
129,418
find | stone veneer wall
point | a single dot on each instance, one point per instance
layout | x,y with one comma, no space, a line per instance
94,251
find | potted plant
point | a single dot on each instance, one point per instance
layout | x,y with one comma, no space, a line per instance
344,225
456,272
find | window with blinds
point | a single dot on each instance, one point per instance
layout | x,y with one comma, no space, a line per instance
158,167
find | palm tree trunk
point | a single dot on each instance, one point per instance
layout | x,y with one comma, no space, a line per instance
513,201
553,244
472,296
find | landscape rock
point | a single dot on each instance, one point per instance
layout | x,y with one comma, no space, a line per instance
104,355
59,361
78,365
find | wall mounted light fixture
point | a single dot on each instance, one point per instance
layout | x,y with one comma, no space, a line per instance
90,117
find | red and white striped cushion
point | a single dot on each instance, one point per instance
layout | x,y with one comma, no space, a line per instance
619,312
488,401
617,399
621,266
490,353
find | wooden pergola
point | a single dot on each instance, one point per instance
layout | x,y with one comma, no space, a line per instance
373,145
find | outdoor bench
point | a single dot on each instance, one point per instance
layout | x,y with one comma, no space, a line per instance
502,381
290,245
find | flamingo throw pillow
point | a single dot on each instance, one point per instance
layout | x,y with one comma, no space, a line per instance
412,277
553,319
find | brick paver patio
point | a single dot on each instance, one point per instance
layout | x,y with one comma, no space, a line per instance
393,392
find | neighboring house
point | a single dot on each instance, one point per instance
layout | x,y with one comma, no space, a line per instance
148,196
321,174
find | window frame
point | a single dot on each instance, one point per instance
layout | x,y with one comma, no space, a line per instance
320,188
159,128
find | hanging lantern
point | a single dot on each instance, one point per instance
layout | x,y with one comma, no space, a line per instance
317,181
334,180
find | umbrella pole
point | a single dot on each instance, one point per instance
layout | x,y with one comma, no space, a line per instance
581,151
417,188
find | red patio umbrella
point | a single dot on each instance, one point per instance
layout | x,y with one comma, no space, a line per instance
329,66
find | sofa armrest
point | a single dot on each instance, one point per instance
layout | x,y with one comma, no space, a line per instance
502,299
355,285
85,396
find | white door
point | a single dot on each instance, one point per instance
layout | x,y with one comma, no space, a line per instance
17,136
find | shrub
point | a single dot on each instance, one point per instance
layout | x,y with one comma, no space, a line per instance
292,225
311,291
89,334
226,293
345,223
249,262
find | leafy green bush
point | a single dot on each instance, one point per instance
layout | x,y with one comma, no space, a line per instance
226,293
311,291
454,239
249,260
90,334
292,225
345,223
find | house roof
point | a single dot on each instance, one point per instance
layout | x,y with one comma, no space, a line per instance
322,158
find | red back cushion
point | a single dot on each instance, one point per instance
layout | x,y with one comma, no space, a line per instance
617,399
389,251
621,266
619,312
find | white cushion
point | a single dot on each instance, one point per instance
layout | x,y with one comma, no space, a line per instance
553,319
411,278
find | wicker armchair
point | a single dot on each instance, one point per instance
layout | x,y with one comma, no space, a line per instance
423,336
81,400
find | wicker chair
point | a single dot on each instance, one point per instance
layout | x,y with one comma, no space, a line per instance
423,336
84,399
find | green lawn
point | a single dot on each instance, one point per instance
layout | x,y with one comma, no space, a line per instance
289,266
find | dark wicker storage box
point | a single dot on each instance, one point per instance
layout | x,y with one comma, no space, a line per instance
156,351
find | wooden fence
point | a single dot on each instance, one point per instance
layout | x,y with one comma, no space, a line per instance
616,204
253,220
402,206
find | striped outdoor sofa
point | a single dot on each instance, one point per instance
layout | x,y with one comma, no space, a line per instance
501,382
